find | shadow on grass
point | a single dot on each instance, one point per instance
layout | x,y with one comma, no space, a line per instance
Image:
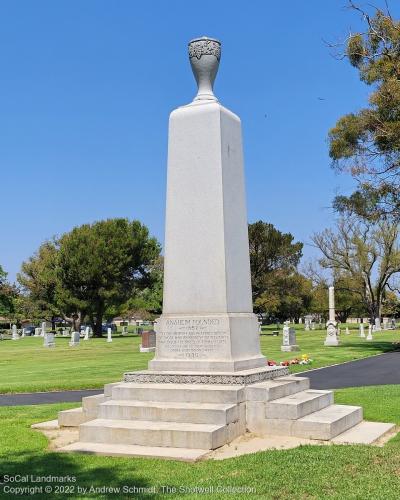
77,466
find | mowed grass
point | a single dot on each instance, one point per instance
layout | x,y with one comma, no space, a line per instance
307,472
27,366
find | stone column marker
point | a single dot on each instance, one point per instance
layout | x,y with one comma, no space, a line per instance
14,333
43,332
362,332
86,337
331,325
369,336
109,336
347,330
289,339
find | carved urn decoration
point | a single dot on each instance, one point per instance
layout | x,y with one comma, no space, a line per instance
204,55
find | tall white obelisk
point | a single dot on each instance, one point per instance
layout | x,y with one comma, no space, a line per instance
207,322
332,338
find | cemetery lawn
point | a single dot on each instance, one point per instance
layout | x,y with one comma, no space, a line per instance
27,366
309,472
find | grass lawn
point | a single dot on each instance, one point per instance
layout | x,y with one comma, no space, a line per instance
26,366
307,472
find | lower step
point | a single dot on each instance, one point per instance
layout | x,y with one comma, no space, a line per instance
323,424
126,450
149,433
196,413
365,433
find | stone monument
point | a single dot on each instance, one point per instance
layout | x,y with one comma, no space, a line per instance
49,340
369,336
75,339
289,339
331,325
14,333
148,343
109,336
347,330
378,325
43,330
208,382
87,330
362,333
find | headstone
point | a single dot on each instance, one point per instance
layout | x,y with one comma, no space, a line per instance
148,341
23,332
43,332
124,330
377,324
312,325
306,324
38,331
289,339
300,321
362,333
75,339
332,338
86,337
393,324
109,336
369,336
65,333
49,340
347,330
14,333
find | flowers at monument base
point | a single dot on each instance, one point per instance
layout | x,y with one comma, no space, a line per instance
303,360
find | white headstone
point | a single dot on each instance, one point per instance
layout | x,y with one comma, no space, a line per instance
109,337
124,330
289,339
43,332
208,322
312,325
14,333
347,330
369,336
362,333
38,331
86,337
75,339
23,332
49,340
377,324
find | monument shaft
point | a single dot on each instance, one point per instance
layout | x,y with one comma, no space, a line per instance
207,321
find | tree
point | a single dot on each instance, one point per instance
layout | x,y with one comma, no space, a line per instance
363,256
367,143
273,262
100,264
40,283
7,295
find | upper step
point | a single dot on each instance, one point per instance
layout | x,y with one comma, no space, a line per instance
327,423
298,405
277,388
197,413
149,433
189,393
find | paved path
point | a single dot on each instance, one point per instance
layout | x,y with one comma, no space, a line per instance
375,370
40,398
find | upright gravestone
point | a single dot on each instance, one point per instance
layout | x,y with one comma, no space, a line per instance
86,337
369,336
347,330
49,340
378,325
75,339
23,332
331,325
312,325
43,332
65,333
14,333
362,333
289,339
124,330
109,336
38,331
148,341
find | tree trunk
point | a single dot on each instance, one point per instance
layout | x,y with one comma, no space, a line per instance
97,329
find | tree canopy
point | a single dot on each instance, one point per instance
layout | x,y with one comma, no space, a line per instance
367,143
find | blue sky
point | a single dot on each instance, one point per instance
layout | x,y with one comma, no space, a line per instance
86,88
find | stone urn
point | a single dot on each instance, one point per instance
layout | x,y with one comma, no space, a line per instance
204,55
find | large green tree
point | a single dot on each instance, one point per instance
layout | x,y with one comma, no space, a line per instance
100,264
367,143
274,257
7,295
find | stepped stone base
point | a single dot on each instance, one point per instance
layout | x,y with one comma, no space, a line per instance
186,415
